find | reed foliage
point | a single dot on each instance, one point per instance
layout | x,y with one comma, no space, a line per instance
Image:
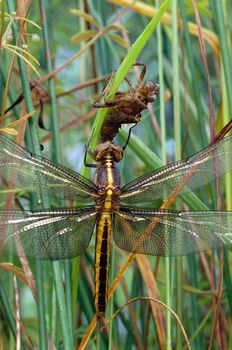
68,48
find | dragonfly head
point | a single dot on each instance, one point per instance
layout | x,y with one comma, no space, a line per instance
107,150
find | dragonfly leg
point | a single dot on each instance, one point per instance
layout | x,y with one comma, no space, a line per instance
88,151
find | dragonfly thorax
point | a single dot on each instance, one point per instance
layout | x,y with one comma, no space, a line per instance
107,178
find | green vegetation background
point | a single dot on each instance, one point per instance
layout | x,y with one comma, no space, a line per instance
186,46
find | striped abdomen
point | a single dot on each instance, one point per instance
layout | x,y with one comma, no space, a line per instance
102,253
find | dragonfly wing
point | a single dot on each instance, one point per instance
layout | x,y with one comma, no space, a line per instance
37,174
50,234
181,177
171,233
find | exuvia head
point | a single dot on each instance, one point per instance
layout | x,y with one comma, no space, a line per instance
149,90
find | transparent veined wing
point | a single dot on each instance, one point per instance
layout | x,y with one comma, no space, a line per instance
181,177
47,234
171,233
22,169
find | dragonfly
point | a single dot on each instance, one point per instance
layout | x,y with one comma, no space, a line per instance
126,212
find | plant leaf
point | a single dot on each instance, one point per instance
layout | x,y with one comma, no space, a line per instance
84,15
9,131
119,40
117,27
20,120
87,34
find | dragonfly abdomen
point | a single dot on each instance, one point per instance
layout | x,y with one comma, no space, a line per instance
102,252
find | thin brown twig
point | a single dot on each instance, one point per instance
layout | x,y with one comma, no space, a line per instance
148,299
101,32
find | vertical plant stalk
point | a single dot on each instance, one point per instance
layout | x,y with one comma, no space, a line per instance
36,148
177,137
219,17
64,306
217,323
76,260
164,159
228,185
2,16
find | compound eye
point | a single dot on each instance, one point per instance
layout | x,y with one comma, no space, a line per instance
117,156
102,190
117,189
98,157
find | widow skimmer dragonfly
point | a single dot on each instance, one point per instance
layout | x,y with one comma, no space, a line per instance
66,232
